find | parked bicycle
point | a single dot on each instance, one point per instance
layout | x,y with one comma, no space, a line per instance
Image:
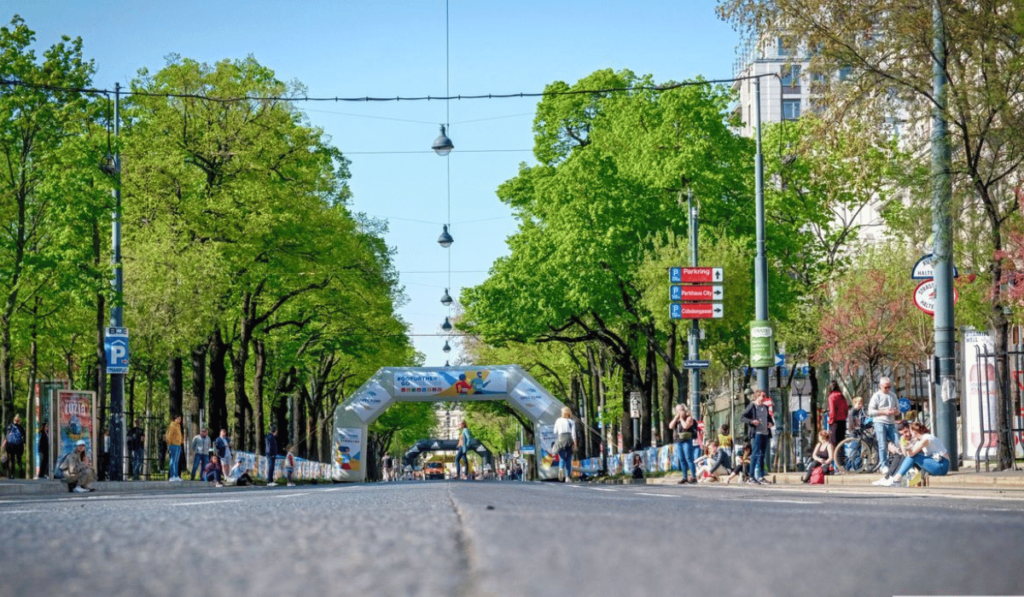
859,451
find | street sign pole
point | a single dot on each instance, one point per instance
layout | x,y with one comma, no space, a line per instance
115,426
760,261
694,325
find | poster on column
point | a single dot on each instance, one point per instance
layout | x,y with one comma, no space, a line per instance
43,409
546,444
349,445
75,416
981,393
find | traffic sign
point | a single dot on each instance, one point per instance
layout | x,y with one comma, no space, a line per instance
694,293
780,360
695,311
695,274
925,270
924,296
904,405
696,364
115,343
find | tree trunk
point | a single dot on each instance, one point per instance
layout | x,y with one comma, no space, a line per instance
174,383
260,363
300,424
667,387
218,403
100,378
199,386
647,415
1003,413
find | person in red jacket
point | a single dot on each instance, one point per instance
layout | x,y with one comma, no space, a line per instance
838,409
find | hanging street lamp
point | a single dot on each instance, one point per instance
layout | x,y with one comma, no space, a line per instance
442,145
445,240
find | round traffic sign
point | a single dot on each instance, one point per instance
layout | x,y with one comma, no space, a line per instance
904,405
924,296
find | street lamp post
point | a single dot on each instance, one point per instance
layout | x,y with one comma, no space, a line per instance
115,425
760,261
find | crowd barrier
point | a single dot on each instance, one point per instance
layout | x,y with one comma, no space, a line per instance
305,470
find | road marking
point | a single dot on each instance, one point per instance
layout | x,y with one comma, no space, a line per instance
21,511
790,501
204,502
601,489
288,495
656,494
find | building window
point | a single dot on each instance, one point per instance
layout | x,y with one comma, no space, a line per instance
784,48
791,75
790,109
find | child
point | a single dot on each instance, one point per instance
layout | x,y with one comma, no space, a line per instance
725,438
289,466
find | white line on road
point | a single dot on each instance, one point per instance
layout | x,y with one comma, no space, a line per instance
21,511
601,489
288,495
204,502
657,494
790,501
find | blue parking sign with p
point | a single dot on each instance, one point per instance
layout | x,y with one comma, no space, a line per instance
116,345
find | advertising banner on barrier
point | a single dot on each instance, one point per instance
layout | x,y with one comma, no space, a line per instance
349,442
455,384
530,398
370,401
75,416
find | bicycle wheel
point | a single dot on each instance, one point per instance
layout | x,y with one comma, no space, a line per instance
857,456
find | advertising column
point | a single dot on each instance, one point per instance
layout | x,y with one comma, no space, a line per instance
981,394
74,419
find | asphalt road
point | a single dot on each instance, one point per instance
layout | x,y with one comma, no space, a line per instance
466,539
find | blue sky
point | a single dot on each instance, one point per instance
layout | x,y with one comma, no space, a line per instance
354,48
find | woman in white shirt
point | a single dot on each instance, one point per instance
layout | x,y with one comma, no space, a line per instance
565,443
926,451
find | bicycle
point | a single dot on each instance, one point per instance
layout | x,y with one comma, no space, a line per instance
860,452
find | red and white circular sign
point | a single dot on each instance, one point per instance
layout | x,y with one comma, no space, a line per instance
924,296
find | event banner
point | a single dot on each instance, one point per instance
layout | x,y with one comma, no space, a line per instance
349,442
75,416
371,399
530,398
42,411
981,393
455,383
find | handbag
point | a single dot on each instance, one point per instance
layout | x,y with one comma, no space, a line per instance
563,442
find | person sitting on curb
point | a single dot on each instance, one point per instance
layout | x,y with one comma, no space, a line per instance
239,474
898,452
741,466
717,462
213,472
927,451
77,472
823,454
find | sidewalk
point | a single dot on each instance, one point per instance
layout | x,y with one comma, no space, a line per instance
45,486
965,478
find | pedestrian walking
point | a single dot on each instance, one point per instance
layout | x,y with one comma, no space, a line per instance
461,450
761,422
201,447
271,446
14,446
838,412
387,464
684,430
103,471
136,442
883,408
43,448
565,443
78,471
175,443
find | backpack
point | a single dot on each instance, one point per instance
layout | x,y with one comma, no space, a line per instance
14,436
818,476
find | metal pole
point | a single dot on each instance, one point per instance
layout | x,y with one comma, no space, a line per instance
760,261
694,325
115,424
942,192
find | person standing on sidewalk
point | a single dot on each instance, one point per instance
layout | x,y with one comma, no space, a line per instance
201,446
137,448
175,442
223,447
14,444
761,421
43,448
883,408
461,450
838,411
684,430
271,445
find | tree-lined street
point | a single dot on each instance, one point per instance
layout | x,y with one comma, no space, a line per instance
510,538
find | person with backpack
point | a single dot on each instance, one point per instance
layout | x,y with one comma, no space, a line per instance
14,446
822,456
271,446
684,431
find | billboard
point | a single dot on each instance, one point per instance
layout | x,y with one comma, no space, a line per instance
75,419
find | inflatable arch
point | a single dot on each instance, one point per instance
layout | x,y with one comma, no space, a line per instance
441,384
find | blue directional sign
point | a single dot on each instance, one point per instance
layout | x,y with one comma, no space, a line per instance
904,405
780,360
115,343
